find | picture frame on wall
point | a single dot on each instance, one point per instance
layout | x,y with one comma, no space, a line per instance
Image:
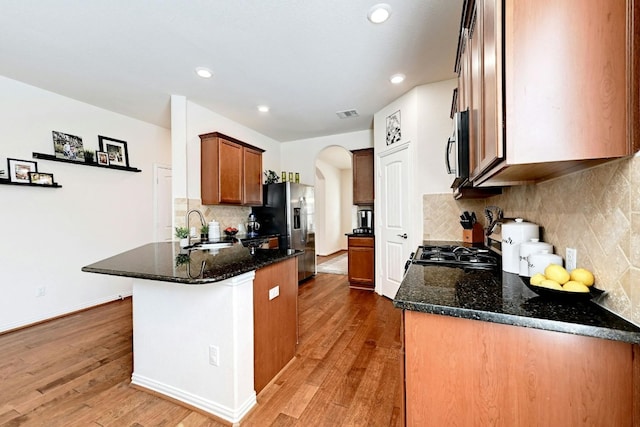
41,178
68,147
116,150
102,158
19,170
393,128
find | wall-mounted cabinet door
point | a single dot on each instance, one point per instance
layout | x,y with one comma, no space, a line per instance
564,95
231,170
363,192
464,78
252,183
475,111
491,147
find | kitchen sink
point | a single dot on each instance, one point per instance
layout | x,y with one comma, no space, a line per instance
203,246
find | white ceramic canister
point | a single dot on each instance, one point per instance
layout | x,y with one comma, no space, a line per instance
531,247
540,260
513,234
214,230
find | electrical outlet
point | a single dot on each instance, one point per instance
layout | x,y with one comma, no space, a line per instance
571,259
42,290
274,292
214,355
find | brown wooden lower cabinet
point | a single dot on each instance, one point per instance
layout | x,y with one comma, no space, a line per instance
361,262
275,321
474,373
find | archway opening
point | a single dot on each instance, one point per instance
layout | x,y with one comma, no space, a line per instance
335,212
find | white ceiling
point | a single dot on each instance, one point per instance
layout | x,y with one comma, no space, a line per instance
306,59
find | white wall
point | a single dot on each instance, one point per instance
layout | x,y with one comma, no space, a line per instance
434,128
300,156
332,209
50,234
200,120
425,125
319,218
409,117
346,199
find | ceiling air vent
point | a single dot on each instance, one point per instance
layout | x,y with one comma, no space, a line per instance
347,114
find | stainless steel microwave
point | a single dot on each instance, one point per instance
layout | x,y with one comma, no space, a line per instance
457,153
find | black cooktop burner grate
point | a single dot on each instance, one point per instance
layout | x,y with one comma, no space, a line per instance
456,256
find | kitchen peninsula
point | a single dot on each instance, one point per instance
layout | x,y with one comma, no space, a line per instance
194,324
483,349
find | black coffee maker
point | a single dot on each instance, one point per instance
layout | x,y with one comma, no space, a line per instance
252,226
365,222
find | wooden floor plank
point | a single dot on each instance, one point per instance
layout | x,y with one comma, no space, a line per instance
76,370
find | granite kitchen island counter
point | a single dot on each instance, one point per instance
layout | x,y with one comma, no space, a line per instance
193,319
167,262
505,299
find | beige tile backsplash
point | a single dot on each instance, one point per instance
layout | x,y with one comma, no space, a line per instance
596,211
227,216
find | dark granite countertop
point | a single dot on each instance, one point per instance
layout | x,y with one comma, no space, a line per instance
504,298
166,261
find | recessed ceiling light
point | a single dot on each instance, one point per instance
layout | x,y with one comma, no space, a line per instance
379,13
203,72
263,108
397,78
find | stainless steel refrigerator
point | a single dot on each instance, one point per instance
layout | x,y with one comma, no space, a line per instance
288,211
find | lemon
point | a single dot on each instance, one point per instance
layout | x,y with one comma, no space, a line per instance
551,284
558,273
573,286
582,275
537,278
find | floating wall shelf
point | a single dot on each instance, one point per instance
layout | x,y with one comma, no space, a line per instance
94,164
5,181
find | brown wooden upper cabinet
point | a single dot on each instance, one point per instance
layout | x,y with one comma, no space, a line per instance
363,176
230,171
552,86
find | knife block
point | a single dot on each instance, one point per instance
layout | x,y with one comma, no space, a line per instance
474,235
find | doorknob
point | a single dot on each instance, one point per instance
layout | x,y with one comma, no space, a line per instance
404,236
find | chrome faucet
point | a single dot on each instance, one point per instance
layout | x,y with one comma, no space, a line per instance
202,221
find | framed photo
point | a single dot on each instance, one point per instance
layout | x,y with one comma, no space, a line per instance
41,178
102,158
19,170
393,128
115,149
68,146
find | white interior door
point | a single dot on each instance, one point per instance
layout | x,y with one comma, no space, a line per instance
163,204
394,218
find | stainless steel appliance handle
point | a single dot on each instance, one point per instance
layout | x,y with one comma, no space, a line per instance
303,220
447,153
404,236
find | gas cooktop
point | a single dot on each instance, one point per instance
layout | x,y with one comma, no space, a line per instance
469,258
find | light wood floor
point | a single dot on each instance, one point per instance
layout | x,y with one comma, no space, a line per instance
320,258
75,371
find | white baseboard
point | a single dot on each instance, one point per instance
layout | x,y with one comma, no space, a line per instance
221,411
